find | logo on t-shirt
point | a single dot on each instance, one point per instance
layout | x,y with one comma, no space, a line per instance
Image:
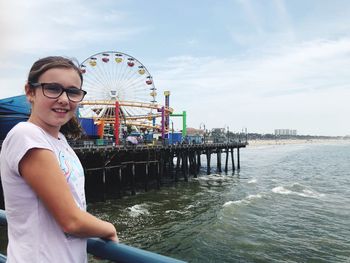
72,170
74,173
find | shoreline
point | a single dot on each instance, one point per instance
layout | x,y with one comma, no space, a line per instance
259,142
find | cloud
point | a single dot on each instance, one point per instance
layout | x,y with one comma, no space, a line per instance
252,16
51,26
271,70
302,80
34,29
261,24
270,65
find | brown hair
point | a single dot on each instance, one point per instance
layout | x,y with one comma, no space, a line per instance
72,128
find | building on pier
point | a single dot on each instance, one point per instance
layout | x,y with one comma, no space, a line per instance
285,132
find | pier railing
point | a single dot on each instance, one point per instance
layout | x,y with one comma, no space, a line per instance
115,252
88,144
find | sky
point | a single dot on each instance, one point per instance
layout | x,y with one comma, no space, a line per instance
258,65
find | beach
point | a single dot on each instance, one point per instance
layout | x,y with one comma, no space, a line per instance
259,142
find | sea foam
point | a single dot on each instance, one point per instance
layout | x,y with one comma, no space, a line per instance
281,190
138,210
252,181
297,189
248,199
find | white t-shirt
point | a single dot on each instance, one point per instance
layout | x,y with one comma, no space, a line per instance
34,235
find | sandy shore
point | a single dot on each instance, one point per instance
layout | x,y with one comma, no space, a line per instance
253,143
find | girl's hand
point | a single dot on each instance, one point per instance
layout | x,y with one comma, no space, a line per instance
115,238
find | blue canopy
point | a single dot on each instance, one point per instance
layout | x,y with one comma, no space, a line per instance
12,111
15,106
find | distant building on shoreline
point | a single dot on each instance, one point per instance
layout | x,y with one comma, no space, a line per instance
284,132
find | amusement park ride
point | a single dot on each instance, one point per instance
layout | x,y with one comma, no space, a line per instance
121,93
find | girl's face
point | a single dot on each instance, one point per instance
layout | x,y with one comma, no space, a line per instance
51,114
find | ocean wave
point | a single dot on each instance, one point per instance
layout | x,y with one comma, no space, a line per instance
297,189
229,203
189,207
252,181
138,210
175,211
213,177
281,190
247,200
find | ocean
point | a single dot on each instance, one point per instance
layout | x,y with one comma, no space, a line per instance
288,203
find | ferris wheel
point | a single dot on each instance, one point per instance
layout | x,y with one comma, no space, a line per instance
111,77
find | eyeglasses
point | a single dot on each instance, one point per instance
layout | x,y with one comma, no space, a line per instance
55,90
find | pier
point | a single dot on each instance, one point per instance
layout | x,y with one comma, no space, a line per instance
115,171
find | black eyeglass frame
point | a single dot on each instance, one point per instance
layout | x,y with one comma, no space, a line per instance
68,91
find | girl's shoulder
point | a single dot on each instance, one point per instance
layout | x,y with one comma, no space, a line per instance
20,139
26,133
25,129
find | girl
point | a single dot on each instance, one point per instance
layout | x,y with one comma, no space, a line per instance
42,178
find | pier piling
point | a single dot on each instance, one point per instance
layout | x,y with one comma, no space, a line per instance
208,161
233,161
198,160
226,161
218,156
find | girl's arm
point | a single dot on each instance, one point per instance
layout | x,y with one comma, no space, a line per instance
40,169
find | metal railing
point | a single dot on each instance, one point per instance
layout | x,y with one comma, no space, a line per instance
115,252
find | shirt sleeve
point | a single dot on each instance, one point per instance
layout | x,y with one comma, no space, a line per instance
21,139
